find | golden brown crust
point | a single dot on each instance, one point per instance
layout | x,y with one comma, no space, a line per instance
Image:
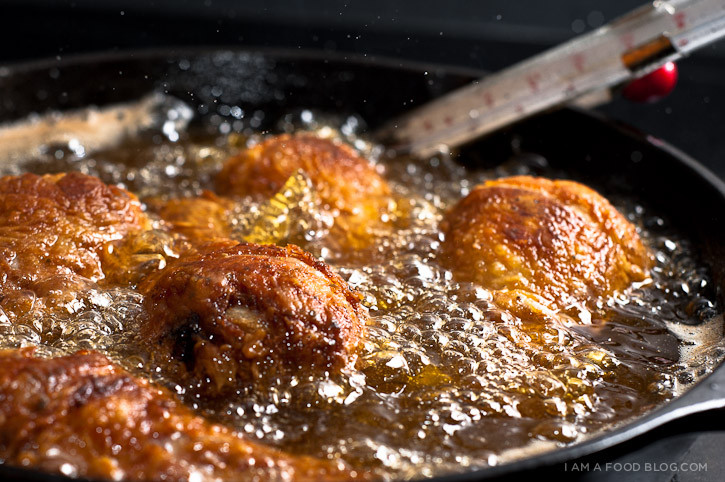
83,416
559,240
236,311
199,219
53,228
346,183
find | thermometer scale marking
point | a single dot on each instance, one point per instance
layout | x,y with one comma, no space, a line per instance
622,50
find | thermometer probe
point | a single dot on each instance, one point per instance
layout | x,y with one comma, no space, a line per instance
630,47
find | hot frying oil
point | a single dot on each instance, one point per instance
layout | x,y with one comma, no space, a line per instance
445,379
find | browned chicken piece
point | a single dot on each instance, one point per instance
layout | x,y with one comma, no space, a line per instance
200,219
53,229
188,224
553,243
83,416
348,185
240,311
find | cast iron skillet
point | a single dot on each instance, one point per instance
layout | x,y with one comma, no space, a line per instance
601,153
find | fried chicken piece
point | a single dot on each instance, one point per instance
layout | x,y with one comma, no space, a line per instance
52,231
556,243
239,311
83,416
188,224
200,219
348,185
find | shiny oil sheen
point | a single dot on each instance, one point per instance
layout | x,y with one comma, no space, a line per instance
445,379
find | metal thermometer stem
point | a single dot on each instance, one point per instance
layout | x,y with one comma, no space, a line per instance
633,45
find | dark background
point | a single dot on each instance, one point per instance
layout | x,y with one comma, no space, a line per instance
487,35
484,35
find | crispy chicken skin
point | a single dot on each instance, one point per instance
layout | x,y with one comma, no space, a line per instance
239,311
556,242
346,183
52,232
199,219
84,416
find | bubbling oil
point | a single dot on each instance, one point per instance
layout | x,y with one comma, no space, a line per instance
446,379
